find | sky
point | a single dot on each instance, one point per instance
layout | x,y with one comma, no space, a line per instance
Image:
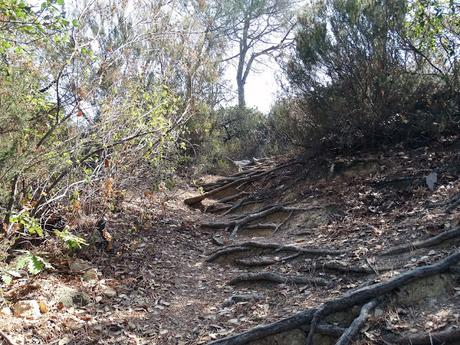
261,88
261,85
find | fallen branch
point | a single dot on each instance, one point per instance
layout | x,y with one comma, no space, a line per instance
433,241
367,293
277,279
357,324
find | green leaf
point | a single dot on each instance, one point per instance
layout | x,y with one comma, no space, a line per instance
7,279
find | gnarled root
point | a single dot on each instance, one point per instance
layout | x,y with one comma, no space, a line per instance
277,279
367,293
272,247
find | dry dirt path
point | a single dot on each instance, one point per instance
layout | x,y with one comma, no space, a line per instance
278,238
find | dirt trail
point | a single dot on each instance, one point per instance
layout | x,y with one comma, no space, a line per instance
280,237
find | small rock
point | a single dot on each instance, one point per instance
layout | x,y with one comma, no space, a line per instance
6,311
98,299
90,275
107,291
79,266
70,297
28,309
378,312
64,341
43,307
432,252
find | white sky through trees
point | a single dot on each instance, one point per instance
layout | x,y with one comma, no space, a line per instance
261,86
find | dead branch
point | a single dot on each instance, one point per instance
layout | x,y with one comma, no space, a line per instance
357,324
433,241
367,293
427,338
277,279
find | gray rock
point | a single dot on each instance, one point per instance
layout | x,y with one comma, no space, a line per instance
90,275
6,311
70,297
28,309
107,291
79,265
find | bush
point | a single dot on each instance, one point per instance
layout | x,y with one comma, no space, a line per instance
358,79
232,133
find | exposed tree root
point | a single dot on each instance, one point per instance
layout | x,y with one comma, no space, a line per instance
427,338
283,222
367,293
240,203
264,261
6,338
225,251
261,226
242,298
430,242
274,247
296,321
453,203
357,324
232,197
277,279
340,267
237,224
312,317
238,182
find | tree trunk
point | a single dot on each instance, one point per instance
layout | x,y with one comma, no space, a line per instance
241,98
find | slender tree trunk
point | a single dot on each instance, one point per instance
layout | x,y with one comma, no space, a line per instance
14,190
241,97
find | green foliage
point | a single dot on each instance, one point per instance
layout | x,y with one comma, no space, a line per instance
72,241
33,264
227,134
30,224
26,261
360,80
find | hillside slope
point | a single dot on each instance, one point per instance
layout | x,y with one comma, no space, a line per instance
269,246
